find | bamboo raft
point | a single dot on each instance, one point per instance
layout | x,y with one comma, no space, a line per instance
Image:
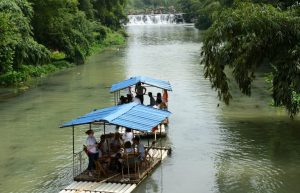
98,187
127,171
116,182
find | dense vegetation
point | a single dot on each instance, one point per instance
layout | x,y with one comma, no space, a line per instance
148,6
38,37
241,36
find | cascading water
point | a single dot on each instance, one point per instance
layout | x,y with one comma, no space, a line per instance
154,19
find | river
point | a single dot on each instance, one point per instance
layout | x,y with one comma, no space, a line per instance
248,146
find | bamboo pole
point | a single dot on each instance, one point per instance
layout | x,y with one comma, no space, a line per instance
160,142
73,151
104,127
115,98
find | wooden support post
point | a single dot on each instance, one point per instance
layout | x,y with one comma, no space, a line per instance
148,139
104,127
105,138
160,142
73,151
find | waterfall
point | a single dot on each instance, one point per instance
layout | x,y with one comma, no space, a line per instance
151,19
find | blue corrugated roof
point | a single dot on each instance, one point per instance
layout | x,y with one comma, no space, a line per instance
132,115
143,79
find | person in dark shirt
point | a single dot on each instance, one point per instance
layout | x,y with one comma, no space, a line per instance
152,100
140,91
122,100
158,99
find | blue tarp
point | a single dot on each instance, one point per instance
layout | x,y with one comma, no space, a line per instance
131,115
143,79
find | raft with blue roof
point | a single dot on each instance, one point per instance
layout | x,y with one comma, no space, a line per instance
134,116
126,88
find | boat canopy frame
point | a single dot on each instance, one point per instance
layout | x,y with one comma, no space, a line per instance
121,115
142,79
117,87
130,115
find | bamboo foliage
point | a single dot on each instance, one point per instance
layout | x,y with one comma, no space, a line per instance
247,36
16,43
32,30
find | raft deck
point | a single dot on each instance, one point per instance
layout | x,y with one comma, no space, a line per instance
116,182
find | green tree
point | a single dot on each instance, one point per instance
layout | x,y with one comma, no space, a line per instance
280,3
204,12
207,12
189,7
69,28
247,36
16,43
8,40
142,5
87,7
60,25
111,12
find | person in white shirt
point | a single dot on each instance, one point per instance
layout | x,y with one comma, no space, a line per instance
136,99
128,135
92,150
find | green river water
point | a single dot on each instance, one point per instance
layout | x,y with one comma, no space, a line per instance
248,146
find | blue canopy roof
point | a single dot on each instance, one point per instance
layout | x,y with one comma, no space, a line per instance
143,79
131,115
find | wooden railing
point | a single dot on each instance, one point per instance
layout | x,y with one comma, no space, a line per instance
80,163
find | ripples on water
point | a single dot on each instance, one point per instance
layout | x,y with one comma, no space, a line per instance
245,147
258,156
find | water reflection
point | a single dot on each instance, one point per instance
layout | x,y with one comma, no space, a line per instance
35,153
162,35
258,155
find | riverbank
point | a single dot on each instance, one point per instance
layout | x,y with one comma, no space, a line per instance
28,76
